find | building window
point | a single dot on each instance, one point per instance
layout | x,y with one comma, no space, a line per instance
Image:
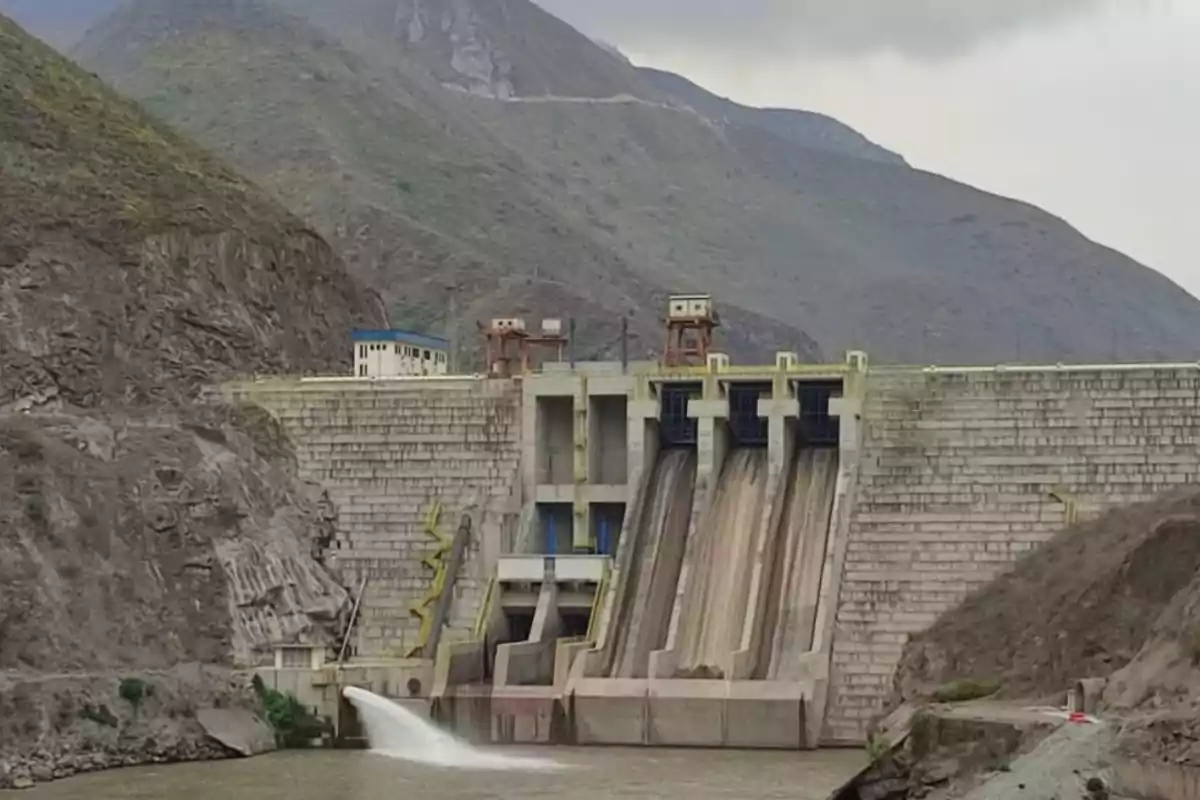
362,370
426,355
362,351
441,358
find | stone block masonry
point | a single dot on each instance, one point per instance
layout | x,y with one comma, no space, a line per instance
962,471
386,451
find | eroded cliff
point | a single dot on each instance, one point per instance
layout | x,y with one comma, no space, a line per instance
149,535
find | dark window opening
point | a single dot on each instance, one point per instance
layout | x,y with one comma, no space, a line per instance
676,427
746,426
816,426
573,623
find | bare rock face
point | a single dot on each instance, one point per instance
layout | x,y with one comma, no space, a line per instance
478,67
142,528
237,729
129,542
56,726
134,267
129,546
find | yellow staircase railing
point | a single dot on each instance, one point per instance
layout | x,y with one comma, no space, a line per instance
1069,503
423,609
598,603
485,609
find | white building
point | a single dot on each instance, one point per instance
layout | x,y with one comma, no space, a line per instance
393,353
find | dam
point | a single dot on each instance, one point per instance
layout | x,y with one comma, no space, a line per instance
696,555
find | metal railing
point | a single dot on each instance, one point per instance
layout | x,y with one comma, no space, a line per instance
598,603
485,608
362,589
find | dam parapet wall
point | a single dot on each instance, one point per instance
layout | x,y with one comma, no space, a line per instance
962,471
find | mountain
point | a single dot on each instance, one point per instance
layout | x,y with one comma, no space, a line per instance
487,152
135,265
422,200
147,533
59,22
803,128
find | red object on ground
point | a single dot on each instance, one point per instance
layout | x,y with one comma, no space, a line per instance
1077,716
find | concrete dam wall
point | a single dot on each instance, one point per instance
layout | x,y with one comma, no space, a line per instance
389,453
868,511
963,471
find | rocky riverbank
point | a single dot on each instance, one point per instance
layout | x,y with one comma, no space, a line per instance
57,726
986,751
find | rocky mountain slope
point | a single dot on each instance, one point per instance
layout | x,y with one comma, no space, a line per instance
803,128
142,527
553,174
1082,605
59,22
1116,598
423,202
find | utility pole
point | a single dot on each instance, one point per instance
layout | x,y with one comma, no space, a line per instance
452,324
571,341
624,345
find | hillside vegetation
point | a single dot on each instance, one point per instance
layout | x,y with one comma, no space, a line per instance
488,153
134,265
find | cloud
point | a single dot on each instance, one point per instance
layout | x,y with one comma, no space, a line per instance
928,29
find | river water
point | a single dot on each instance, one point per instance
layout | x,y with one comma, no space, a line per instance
588,774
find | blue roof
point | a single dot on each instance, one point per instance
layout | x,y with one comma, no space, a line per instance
398,335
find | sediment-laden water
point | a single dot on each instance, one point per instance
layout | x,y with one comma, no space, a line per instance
592,774
410,757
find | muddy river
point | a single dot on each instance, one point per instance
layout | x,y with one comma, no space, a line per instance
586,774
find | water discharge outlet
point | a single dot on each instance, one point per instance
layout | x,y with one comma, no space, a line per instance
397,732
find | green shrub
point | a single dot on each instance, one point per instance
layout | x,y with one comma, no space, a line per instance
293,723
879,747
133,690
35,508
964,690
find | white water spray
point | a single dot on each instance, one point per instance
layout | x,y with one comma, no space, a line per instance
396,732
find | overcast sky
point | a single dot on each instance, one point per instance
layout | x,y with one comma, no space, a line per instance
1088,108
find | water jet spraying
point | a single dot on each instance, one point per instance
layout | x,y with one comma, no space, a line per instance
397,732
